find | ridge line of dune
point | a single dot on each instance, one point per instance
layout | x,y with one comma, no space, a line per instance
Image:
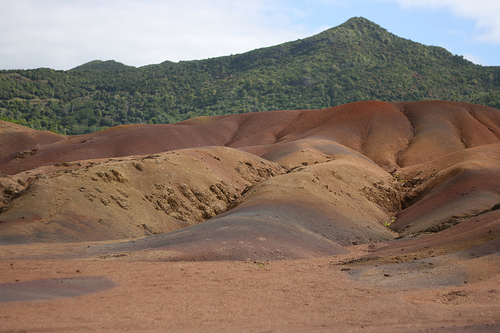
471,111
237,130
402,108
285,128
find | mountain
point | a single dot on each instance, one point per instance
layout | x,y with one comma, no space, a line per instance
358,60
101,66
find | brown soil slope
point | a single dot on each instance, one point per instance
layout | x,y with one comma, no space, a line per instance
327,179
131,197
19,141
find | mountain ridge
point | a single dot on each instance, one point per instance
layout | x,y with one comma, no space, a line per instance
101,65
355,61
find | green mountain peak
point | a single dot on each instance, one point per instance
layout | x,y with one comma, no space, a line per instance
99,65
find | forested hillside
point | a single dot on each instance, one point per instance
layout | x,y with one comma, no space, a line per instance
355,61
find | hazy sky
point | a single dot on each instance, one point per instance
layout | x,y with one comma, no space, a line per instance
62,34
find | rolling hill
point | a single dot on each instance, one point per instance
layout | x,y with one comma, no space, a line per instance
326,178
368,216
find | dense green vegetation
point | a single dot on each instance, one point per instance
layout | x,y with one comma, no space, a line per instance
355,61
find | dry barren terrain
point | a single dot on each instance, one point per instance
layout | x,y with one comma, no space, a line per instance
368,217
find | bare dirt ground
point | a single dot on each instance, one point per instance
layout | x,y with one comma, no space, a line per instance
366,217
297,296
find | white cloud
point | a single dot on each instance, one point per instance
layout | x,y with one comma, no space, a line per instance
486,13
65,33
475,59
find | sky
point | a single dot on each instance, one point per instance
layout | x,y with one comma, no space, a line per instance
62,34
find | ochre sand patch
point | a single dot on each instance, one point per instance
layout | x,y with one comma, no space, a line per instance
368,216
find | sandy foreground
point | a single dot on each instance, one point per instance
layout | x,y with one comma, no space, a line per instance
265,296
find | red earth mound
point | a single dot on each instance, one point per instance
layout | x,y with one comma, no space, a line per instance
390,134
20,142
